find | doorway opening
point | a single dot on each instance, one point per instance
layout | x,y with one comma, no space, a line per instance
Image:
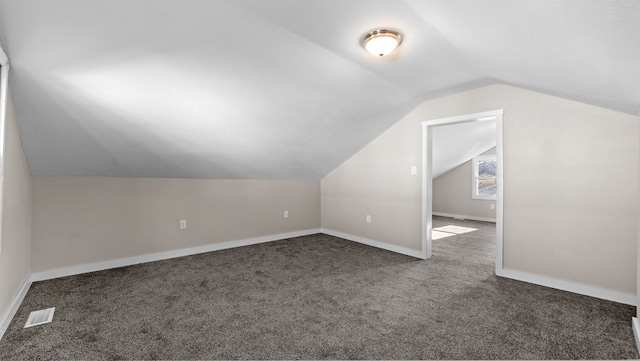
428,129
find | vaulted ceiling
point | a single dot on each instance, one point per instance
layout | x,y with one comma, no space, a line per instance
282,89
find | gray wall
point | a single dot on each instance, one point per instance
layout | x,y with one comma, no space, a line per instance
452,193
15,258
81,220
570,185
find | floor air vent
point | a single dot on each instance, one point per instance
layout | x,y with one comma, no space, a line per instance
40,317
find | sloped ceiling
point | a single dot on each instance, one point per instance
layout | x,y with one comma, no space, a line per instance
282,89
456,144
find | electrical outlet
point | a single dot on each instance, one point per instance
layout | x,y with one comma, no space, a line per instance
368,218
493,206
414,170
183,224
286,214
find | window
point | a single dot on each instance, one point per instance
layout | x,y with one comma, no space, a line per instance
484,180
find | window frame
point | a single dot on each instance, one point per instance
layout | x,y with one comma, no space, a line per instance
475,176
4,81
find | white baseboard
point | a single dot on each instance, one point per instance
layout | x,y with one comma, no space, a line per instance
99,266
587,290
17,301
471,218
593,291
575,287
377,244
636,331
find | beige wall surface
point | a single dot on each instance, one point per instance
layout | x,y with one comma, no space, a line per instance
15,259
86,220
452,193
570,185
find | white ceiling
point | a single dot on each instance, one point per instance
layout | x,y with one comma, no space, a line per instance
281,89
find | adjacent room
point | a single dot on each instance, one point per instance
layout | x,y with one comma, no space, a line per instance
284,179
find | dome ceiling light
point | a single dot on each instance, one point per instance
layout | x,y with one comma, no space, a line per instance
381,42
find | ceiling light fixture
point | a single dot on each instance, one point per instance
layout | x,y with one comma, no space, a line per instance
381,42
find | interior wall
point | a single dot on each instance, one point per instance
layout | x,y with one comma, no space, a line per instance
452,193
15,258
570,185
86,220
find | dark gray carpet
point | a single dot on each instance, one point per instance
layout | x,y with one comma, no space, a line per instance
318,297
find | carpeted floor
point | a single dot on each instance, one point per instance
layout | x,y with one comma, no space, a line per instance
318,297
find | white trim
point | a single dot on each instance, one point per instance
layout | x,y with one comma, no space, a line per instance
427,181
575,287
4,59
17,301
471,218
427,189
122,262
476,117
377,244
4,81
636,331
500,196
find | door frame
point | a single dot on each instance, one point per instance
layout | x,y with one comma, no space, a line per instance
4,81
427,177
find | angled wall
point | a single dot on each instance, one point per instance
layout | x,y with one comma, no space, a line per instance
15,258
570,186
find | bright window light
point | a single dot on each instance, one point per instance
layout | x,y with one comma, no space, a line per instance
484,181
449,231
